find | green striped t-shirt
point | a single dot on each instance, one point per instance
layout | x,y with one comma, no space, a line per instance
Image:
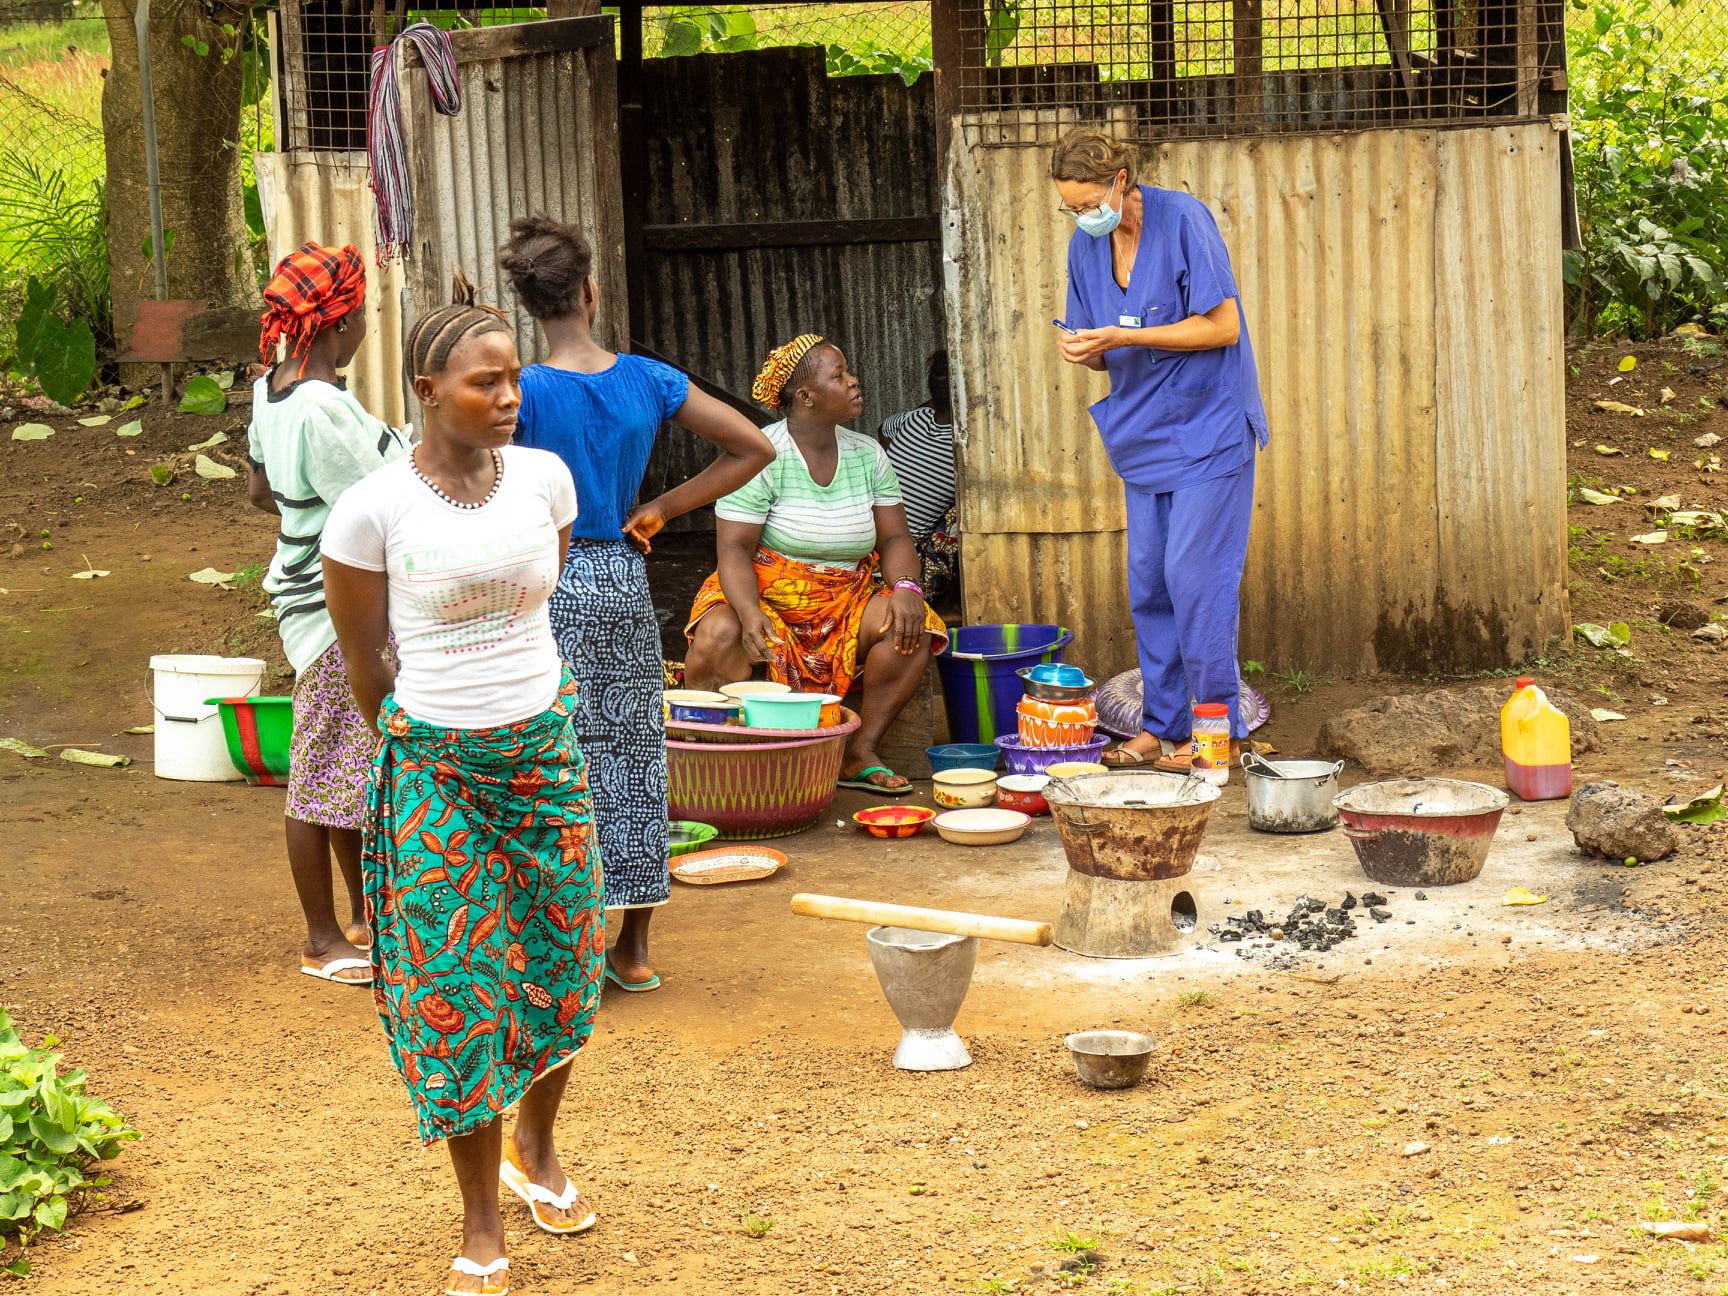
835,523
313,440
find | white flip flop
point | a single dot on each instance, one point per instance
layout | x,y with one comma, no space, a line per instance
329,970
536,1195
473,1269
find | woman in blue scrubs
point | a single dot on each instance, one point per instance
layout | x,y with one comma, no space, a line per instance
1152,301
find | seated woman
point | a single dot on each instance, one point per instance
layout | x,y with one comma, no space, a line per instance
817,574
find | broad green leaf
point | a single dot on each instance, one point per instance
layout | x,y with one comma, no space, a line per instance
224,380
50,1135
32,432
19,1268
66,361
33,319
203,396
133,402
5,1128
1706,808
12,1169
210,470
214,439
1660,456
131,429
15,1206
1589,496
18,747
96,420
51,1214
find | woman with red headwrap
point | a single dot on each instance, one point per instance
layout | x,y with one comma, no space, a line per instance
309,441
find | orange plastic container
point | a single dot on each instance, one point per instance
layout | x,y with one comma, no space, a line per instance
1536,740
1045,724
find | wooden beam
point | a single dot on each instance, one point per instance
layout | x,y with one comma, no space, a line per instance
781,234
947,72
1161,30
1395,21
632,157
482,44
611,264
1528,35
1248,39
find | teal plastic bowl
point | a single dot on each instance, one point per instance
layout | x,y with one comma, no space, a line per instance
785,710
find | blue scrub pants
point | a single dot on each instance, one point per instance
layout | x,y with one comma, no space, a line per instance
1185,553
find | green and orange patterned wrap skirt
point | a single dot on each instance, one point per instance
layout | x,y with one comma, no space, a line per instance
483,895
815,611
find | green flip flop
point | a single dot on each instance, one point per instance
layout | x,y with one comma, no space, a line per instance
860,782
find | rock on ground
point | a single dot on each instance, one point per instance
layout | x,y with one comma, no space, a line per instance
1617,823
1429,733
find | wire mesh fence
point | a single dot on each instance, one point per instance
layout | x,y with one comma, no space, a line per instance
1646,82
52,165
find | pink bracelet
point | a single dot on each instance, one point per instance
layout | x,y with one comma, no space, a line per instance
912,585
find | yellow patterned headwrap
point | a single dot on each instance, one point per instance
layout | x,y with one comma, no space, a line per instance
777,369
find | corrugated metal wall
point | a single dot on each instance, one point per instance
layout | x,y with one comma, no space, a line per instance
537,134
324,198
1403,292
768,137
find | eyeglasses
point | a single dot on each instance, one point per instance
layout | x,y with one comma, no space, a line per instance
1064,209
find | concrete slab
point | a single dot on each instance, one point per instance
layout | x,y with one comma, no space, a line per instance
742,943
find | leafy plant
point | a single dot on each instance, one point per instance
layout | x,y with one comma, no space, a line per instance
51,1134
756,1226
61,356
1651,146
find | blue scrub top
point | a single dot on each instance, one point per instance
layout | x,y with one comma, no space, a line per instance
1172,419
602,425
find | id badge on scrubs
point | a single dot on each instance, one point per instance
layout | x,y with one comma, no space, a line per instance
1128,321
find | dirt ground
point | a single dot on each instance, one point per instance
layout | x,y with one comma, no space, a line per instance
1564,1067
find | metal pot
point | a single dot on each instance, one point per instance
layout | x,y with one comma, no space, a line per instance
1421,831
1291,796
1132,826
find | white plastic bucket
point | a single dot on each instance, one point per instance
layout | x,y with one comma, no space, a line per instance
189,741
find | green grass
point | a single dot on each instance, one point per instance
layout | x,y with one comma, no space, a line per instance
1194,998
756,1226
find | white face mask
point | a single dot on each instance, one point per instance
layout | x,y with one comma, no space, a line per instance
1101,219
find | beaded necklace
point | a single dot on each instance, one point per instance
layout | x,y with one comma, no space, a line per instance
497,481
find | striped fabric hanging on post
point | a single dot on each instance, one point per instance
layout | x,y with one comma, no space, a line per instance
387,151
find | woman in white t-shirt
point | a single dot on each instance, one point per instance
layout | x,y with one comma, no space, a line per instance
481,868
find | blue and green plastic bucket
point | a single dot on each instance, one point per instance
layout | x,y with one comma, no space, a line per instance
980,689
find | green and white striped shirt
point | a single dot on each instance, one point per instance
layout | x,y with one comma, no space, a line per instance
313,440
833,524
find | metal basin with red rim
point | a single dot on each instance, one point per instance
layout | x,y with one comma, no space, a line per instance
1421,831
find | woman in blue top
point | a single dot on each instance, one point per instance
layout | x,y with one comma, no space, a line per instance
1152,301
599,412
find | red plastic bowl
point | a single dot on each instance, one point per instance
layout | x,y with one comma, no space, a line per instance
894,821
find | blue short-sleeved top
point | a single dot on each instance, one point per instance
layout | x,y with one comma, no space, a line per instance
1172,419
602,425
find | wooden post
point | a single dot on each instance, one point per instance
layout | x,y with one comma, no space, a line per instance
632,160
1248,39
1528,34
1161,28
612,261
1395,22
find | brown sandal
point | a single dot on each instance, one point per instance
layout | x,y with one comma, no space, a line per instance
1183,762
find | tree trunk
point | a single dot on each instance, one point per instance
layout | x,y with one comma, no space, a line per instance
197,129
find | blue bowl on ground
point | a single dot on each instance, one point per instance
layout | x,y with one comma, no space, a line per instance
959,756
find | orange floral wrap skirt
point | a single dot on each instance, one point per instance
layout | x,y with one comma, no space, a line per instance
816,612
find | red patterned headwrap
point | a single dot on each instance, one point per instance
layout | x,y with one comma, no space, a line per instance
311,290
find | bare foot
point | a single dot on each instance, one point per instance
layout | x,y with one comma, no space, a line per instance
359,935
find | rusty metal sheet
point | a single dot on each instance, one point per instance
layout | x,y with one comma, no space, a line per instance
723,153
1407,325
324,197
